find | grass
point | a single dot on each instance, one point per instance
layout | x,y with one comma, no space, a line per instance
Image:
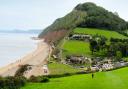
107,33
116,79
74,47
58,68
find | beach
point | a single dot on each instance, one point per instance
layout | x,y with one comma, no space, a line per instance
36,59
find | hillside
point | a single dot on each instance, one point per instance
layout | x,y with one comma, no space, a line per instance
93,31
76,47
83,15
102,80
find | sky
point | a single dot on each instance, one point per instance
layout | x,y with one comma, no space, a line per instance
38,14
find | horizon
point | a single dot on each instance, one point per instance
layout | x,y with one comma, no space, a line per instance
39,14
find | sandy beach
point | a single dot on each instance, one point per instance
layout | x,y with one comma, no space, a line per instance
38,58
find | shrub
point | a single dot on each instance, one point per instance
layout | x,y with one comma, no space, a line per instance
12,82
33,79
21,70
41,79
44,79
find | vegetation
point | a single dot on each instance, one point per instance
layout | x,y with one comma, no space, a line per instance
58,69
85,15
98,17
21,70
117,47
97,43
116,79
64,23
38,79
74,47
106,33
12,82
110,42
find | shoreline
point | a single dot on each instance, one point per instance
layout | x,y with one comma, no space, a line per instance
36,58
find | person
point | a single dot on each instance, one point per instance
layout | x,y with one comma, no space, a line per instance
92,75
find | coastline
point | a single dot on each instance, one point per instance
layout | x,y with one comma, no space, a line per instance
37,59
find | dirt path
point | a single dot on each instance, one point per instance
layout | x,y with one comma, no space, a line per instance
37,59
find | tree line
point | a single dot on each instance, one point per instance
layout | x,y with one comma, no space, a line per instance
117,48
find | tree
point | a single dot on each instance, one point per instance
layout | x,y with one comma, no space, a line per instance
93,45
118,55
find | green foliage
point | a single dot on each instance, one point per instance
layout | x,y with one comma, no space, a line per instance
119,55
39,79
97,43
74,47
12,82
21,70
117,47
119,40
58,69
33,79
44,80
98,17
69,21
88,15
116,79
106,33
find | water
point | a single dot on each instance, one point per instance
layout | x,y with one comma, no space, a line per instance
13,46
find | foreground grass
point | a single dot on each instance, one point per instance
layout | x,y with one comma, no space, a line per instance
108,34
58,68
103,80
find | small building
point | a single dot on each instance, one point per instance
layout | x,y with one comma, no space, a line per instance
84,37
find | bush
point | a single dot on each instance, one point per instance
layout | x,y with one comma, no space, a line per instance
21,70
33,79
44,79
41,79
12,82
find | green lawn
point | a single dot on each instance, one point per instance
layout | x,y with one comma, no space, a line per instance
58,68
74,47
108,34
117,79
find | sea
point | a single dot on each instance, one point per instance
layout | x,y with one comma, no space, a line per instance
14,46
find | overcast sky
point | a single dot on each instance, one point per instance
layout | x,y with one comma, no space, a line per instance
38,14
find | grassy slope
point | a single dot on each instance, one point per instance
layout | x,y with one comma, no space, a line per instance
82,48
57,68
76,47
108,34
103,80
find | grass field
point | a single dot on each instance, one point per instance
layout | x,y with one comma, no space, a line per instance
108,34
117,79
57,68
74,47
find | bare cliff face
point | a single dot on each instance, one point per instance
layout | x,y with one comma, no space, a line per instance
54,36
